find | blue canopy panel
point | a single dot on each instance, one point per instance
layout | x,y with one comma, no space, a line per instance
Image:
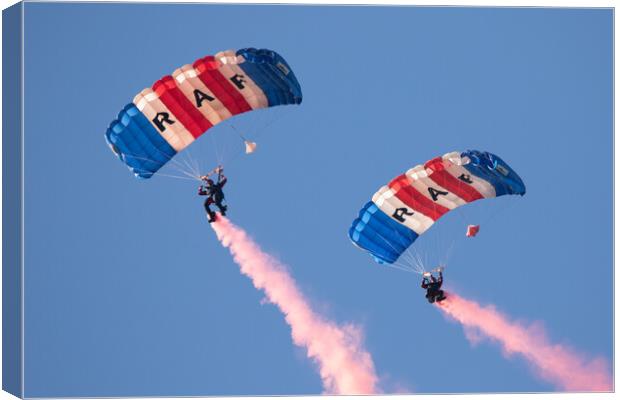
377,233
272,74
494,170
137,143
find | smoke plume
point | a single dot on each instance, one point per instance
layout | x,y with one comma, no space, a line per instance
555,363
345,367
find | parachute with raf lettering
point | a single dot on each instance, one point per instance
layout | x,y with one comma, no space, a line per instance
411,203
166,118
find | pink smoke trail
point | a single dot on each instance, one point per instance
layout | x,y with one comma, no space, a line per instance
345,367
552,362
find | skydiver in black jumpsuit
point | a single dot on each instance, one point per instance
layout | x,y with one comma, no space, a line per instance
215,193
433,288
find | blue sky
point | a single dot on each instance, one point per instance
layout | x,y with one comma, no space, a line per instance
128,291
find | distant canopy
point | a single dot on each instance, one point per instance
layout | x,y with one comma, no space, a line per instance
178,108
411,203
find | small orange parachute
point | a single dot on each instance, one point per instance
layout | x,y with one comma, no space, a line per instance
472,230
249,147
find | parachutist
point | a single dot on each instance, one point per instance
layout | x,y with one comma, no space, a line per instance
433,287
215,193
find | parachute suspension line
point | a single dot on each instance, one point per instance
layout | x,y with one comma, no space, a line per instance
183,171
408,254
387,242
500,208
422,259
175,176
189,162
448,254
402,243
237,132
195,163
238,152
404,266
262,124
174,162
400,268
257,133
262,128
419,263
188,176
218,154
413,257
440,246
414,262
198,165
183,160
443,245
264,121
180,168
184,168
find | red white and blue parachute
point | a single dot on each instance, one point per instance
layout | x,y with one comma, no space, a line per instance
411,203
166,118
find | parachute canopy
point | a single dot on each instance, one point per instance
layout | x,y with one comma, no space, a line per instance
178,108
250,147
472,230
407,206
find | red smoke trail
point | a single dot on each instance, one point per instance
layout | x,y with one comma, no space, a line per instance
552,362
345,367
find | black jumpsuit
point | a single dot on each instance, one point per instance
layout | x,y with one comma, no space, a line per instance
433,288
216,195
